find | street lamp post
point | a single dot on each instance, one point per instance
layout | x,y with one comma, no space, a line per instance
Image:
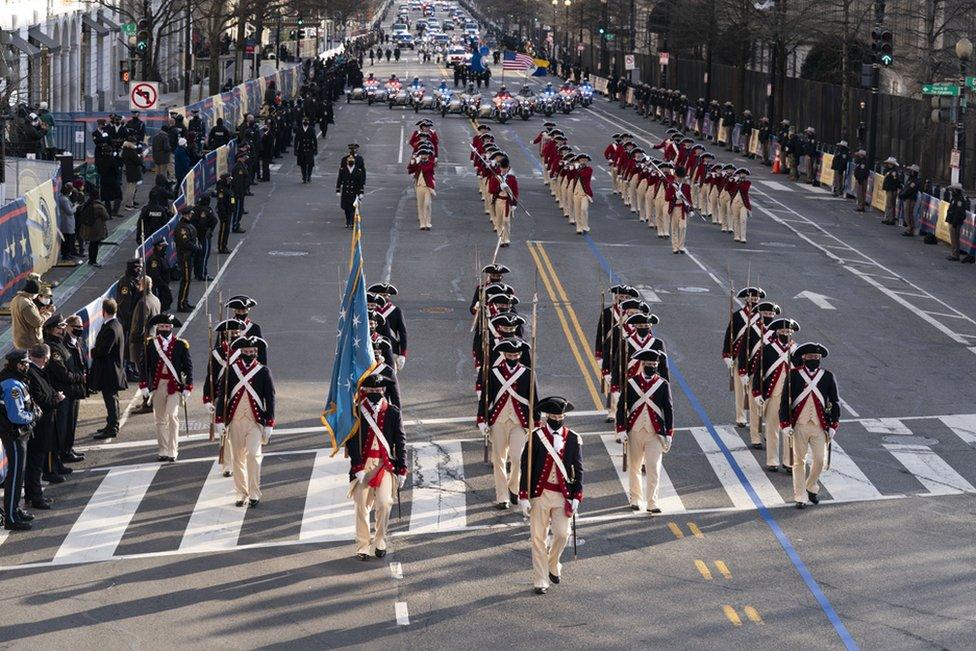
964,52
555,5
566,4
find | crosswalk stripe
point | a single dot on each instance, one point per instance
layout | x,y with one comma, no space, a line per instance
668,499
775,185
844,480
100,527
930,469
963,425
891,426
438,493
215,523
329,513
723,470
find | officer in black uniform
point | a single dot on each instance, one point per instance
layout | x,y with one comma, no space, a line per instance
205,222
127,295
240,182
70,383
219,135
159,269
187,245
135,128
842,156
349,185
306,148
226,203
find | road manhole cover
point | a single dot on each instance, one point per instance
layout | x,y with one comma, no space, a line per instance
901,439
288,254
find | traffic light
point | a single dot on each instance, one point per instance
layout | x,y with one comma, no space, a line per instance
143,35
301,21
944,110
882,46
125,76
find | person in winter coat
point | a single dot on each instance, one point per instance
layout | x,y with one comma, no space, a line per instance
94,227
306,148
66,221
162,153
955,216
132,164
181,159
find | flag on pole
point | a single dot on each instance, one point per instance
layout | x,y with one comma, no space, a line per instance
517,61
353,354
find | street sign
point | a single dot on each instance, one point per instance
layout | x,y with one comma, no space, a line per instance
971,83
941,89
663,57
143,95
630,62
129,29
954,159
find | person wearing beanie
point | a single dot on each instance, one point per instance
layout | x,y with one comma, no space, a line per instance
27,319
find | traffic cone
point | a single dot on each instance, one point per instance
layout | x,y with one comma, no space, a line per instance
776,163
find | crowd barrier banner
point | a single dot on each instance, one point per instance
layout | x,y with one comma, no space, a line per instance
15,252
879,200
42,225
826,173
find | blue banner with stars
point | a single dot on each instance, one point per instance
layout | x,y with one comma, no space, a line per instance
15,251
353,354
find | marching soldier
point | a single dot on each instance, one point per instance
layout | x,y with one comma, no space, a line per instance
167,374
740,322
767,389
378,460
678,198
395,326
636,336
698,179
350,185
504,191
227,332
185,239
503,416
662,214
809,414
425,128
609,316
645,424
610,155
377,326
551,489
741,205
422,167
542,139
248,427
306,149
748,358
583,194
494,273
241,306
726,188
611,359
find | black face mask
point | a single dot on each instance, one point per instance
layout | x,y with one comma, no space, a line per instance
784,339
554,424
247,359
767,320
78,332
812,364
512,363
650,371
374,397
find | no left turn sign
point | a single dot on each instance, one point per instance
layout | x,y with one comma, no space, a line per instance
143,95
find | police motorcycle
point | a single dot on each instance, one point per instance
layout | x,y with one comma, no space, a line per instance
396,93
567,98
526,100
586,93
504,105
454,103
547,101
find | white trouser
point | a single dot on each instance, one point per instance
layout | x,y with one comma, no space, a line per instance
166,416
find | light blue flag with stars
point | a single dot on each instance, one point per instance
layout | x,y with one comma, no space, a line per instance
353,354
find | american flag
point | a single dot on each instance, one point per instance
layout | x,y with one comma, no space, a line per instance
517,61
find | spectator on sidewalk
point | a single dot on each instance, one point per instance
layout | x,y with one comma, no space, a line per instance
132,164
181,161
792,150
66,222
93,225
955,216
612,88
842,156
765,138
162,153
48,121
108,368
27,320
861,174
909,197
890,186
811,150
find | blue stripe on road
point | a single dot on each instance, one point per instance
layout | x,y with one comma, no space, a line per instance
764,512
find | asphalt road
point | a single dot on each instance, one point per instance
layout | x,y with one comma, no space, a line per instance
135,553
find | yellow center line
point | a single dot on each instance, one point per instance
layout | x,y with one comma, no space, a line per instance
753,615
597,401
723,569
676,530
703,570
570,310
732,615
695,531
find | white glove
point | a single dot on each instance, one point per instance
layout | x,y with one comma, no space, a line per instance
666,444
525,506
361,476
760,401
144,392
786,431
728,361
219,429
483,428
831,433
744,379
574,505
186,393
400,361
338,194
211,408
401,480
266,435
622,436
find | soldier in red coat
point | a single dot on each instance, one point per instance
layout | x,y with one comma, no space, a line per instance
503,187
679,208
421,167
583,194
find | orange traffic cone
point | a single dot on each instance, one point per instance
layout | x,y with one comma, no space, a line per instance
776,165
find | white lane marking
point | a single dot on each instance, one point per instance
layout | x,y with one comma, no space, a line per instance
821,301
930,469
402,615
329,514
400,153
776,185
668,499
98,530
886,426
963,425
215,523
845,481
396,570
847,406
437,497
723,470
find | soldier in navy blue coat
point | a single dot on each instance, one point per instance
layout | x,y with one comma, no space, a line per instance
166,375
246,408
378,464
395,325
